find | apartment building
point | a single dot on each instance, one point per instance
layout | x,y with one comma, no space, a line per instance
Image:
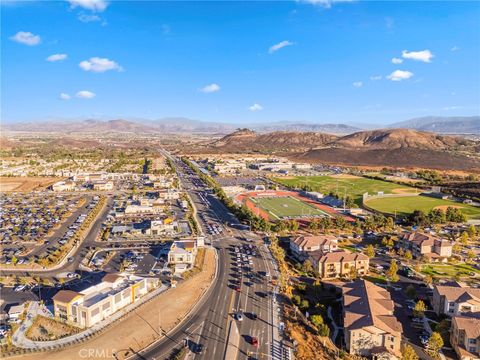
340,264
429,246
371,329
456,300
98,302
465,336
302,246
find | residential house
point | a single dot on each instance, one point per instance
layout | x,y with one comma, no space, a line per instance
340,264
371,330
455,300
465,336
98,302
424,245
303,246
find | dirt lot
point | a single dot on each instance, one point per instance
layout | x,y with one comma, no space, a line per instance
26,183
142,327
44,329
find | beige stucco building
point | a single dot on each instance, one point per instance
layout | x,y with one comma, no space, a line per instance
340,264
465,337
371,329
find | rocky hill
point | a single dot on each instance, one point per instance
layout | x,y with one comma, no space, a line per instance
400,138
247,140
387,147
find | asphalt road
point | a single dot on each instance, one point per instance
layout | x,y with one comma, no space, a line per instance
208,322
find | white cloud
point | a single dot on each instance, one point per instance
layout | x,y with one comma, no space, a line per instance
56,57
278,46
93,5
397,60
99,65
357,84
423,55
85,94
86,18
64,96
399,75
26,37
211,88
455,48
325,3
376,77
255,107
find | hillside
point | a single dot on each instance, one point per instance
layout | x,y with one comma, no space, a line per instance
400,138
247,140
443,125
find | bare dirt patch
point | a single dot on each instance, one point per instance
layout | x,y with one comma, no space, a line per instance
44,329
146,324
25,183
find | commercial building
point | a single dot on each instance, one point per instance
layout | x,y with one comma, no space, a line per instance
465,336
456,300
303,246
98,302
424,245
371,329
103,185
340,264
183,252
63,186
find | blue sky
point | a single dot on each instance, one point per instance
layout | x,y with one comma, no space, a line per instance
326,61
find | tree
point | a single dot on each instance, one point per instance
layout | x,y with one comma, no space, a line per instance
464,238
392,271
472,232
307,266
408,353
457,248
470,255
428,279
419,309
408,255
317,320
324,330
370,251
411,292
435,343
304,304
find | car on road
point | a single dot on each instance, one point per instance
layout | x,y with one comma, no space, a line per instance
424,339
254,341
70,259
239,317
199,349
254,316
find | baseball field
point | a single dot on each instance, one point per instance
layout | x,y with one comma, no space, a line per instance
406,205
354,186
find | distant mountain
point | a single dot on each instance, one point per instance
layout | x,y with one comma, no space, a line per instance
443,125
85,126
186,125
337,129
248,140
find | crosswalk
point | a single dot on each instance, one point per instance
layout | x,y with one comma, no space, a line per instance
279,352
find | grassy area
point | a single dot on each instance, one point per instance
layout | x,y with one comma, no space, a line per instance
355,186
447,270
286,206
406,205
376,278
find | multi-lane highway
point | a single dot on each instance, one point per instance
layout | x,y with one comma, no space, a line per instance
240,287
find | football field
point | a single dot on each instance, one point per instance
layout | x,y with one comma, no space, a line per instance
286,207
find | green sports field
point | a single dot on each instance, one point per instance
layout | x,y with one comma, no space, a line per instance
286,206
355,186
406,205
